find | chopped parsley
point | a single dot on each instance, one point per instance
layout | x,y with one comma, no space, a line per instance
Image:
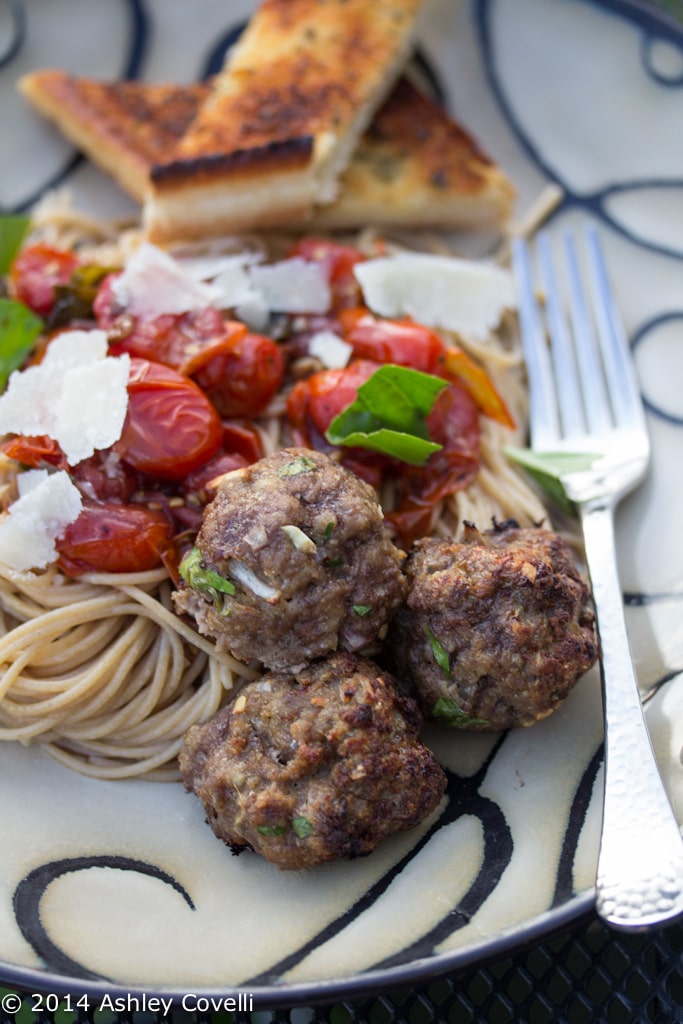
301,464
441,656
449,709
362,609
271,830
302,827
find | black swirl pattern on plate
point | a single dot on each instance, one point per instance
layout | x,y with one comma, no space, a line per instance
31,889
132,63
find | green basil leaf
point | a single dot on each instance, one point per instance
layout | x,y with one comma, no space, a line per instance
449,709
547,468
389,415
13,228
19,328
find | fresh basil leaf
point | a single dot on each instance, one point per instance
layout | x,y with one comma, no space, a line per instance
441,656
200,578
449,709
547,468
13,228
301,827
389,415
19,328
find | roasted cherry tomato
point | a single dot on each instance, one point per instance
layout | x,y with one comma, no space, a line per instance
241,438
34,451
201,482
184,341
392,341
459,365
36,272
454,424
338,261
114,538
171,427
105,477
314,402
245,376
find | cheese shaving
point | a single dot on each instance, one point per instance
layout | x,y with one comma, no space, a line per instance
330,349
47,503
463,296
153,283
77,396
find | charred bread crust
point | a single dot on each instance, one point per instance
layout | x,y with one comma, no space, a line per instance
124,127
270,158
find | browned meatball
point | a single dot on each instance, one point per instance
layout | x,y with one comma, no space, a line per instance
293,561
313,768
496,629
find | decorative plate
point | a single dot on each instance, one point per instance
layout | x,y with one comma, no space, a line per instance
120,887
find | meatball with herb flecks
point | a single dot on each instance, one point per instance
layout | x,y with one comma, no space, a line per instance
313,767
293,561
496,629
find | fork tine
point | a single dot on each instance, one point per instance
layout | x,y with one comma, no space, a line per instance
596,401
619,370
563,356
544,417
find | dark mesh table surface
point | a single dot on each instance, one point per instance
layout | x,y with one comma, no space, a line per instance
586,974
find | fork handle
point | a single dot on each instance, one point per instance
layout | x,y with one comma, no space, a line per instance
640,864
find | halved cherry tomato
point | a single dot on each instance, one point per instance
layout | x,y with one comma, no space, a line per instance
113,538
314,402
201,482
171,427
454,424
244,377
392,341
459,365
184,341
34,451
35,273
240,437
338,261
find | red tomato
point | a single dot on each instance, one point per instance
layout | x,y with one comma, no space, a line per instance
241,438
104,477
34,451
199,482
245,376
315,401
453,423
184,341
338,261
171,427
392,341
35,273
113,538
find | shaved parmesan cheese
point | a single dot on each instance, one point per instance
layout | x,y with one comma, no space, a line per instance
330,349
464,296
47,503
154,283
77,396
292,286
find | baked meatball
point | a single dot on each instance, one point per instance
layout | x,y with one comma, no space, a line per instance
293,561
314,767
496,629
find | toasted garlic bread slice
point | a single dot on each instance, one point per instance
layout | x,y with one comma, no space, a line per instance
298,89
415,167
124,127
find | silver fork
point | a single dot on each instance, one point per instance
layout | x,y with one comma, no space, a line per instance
584,398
